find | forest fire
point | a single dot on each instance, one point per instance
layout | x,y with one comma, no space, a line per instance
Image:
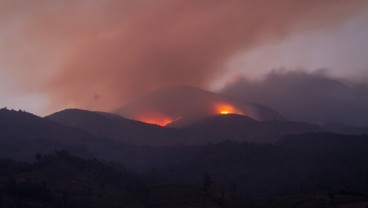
224,109
156,117
161,121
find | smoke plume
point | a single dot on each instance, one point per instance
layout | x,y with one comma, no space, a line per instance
98,54
312,97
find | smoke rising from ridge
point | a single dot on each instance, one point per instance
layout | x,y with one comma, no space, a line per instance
97,54
311,97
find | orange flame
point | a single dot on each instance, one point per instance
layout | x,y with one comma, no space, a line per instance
223,108
159,120
156,121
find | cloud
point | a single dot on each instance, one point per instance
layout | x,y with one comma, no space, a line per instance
312,97
75,51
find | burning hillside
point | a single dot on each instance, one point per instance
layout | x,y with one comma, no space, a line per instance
224,108
170,104
157,119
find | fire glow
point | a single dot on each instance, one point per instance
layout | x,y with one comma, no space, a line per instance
225,109
161,119
156,120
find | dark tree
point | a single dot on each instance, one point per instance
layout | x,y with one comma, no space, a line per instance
207,181
65,196
38,157
11,186
234,187
221,201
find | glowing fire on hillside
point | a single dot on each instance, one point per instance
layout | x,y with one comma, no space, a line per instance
223,108
158,120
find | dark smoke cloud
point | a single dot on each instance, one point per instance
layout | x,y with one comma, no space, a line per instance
312,97
114,49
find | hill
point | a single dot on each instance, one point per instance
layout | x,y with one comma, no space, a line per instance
311,163
297,164
168,104
23,134
211,129
114,127
243,128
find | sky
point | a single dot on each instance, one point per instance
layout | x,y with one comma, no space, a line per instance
98,55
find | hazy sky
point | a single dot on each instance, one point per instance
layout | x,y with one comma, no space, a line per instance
97,54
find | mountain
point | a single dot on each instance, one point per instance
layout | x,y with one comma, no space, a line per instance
168,104
211,129
346,129
114,127
243,128
23,134
313,163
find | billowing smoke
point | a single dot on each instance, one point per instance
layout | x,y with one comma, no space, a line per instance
313,97
97,54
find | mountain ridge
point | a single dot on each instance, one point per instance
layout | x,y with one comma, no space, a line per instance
210,129
191,103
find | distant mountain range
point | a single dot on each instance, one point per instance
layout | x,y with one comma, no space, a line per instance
114,127
191,104
243,128
212,129
22,134
88,133
293,160
259,155
195,117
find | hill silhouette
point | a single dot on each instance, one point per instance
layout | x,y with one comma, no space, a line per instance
210,129
229,147
190,103
114,127
23,134
243,128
